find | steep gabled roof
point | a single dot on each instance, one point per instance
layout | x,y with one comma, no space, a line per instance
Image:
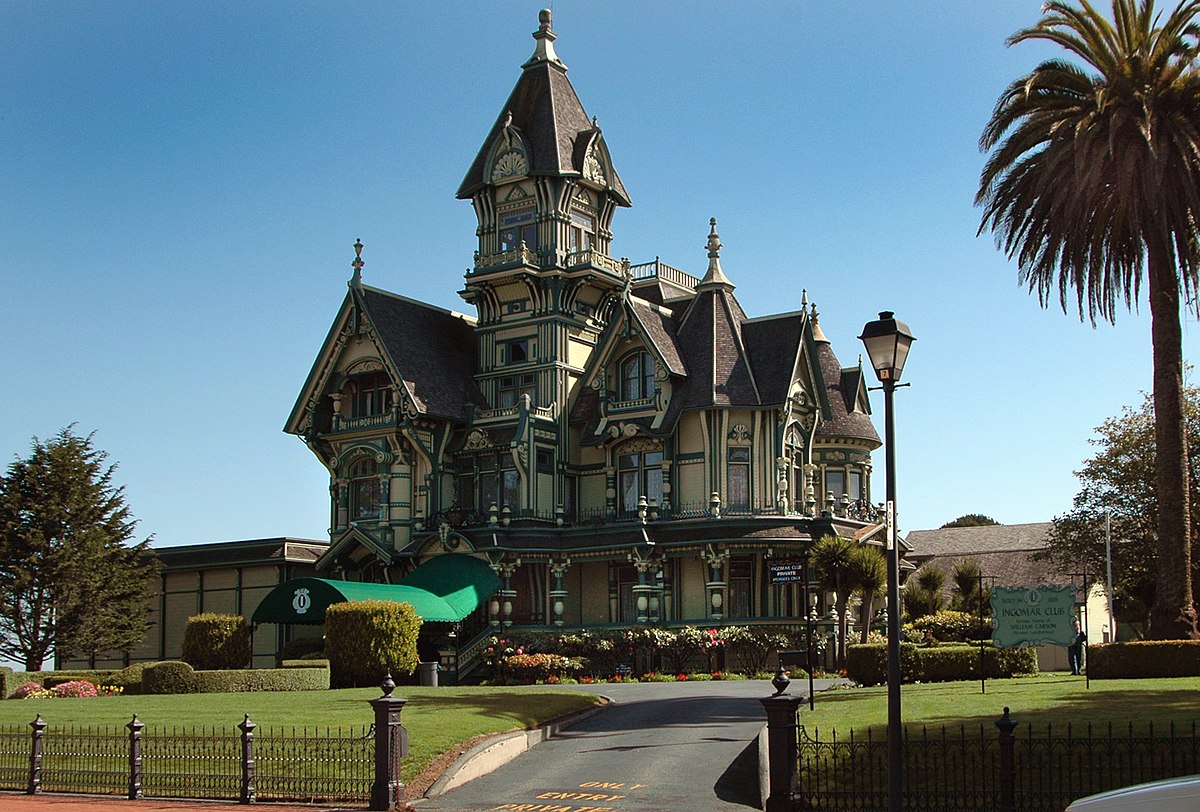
432,349
773,344
547,113
844,386
659,329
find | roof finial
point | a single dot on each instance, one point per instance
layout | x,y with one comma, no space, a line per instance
357,264
715,275
803,298
818,333
544,52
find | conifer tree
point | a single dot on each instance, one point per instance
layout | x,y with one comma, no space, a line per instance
72,581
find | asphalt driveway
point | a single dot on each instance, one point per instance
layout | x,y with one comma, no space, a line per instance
659,746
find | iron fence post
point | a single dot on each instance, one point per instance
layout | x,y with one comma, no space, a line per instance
1008,768
35,756
247,727
135,758
782,743
391,745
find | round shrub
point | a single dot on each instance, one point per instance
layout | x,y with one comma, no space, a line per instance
364,640
213,641
169,677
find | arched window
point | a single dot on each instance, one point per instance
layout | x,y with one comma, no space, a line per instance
364,490
637,376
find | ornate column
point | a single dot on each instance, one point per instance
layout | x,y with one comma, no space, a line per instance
558,595
716,585
781,485
610,491
341,488
644,592
507,593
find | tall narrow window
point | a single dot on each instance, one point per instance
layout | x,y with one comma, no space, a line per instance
637,376
856,489
364,490
738,497
640,475
741,580
372,394
835,481
466,483
513,386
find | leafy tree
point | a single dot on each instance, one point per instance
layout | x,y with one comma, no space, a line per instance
71,584
971,520
1094,181
869,574
1120,480
833,560
922,593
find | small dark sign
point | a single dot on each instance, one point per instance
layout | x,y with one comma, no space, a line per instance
786,572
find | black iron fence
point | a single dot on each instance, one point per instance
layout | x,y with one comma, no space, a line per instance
245,763
1006,766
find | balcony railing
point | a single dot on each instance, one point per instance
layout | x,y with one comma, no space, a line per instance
595,259
661,270
372,421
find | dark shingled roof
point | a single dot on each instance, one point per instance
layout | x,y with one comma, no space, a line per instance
660,329
432,349
842,386
549,116
773,343
710,337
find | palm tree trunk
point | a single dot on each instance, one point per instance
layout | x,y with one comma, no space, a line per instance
1173,616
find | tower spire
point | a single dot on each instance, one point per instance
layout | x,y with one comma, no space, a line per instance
544,51
715,275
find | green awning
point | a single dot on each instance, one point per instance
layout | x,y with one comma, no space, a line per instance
445,588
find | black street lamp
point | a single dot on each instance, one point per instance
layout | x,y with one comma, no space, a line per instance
888,342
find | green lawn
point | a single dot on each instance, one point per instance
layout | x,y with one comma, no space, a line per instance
1057,699
436,718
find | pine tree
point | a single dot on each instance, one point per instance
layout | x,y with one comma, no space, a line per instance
71,582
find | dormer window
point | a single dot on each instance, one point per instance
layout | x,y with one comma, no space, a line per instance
372,395
637,376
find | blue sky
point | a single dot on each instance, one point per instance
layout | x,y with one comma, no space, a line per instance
181,185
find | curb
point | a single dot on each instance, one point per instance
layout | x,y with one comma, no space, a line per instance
493,753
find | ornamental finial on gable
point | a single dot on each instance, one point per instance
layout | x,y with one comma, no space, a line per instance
357,264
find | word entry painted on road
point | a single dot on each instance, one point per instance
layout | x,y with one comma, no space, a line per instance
590,796
1033,616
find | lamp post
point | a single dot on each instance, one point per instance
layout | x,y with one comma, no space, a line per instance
888,342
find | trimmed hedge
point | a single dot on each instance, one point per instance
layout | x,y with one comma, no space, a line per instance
867,664
302,647
1144,658
364,640
948,626
11,680
213,641
177,677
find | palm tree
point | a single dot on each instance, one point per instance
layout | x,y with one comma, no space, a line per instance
869,572
1095,177
967,591
833,560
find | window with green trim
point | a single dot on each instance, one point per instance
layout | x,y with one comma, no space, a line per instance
738,473
639,474
364,490
637,376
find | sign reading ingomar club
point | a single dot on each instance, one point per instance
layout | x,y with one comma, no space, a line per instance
786,572
1033,615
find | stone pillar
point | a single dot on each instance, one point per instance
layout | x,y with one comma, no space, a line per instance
782,744
391,745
